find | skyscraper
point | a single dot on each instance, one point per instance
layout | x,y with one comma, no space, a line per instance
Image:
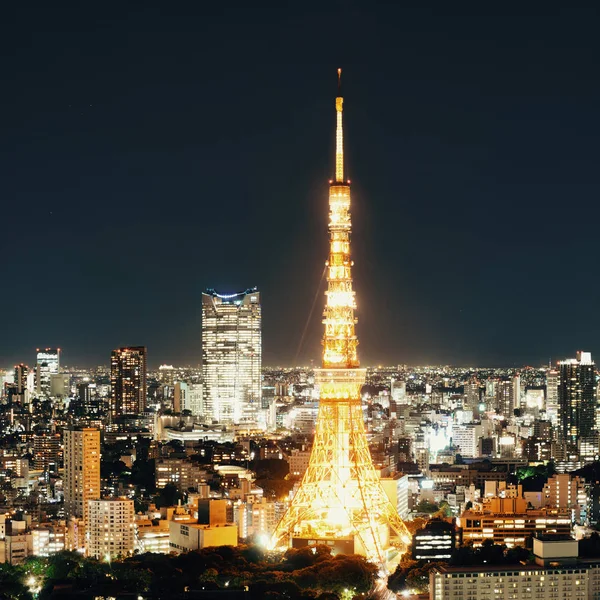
82,470
552,379
48,364
231,356
505,398
577,406
341,501
21,393
21,372
128,381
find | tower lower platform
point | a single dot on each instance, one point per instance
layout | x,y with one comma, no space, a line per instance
341,501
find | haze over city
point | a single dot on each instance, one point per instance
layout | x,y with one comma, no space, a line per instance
152,153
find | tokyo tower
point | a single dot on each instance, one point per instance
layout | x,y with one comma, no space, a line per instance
341,502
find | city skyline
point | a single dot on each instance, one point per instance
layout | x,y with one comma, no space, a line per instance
471,147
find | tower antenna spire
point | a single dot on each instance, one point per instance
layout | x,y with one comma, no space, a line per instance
339,133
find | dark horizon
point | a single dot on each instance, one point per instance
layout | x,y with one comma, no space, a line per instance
150,153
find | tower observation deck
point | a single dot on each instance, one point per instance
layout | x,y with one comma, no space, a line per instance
341,501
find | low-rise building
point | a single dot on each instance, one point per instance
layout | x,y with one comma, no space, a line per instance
509,521
557,574
181,472
298,462
190,535
436,541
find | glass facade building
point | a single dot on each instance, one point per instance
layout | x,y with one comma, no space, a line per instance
577,405
48,364
231,356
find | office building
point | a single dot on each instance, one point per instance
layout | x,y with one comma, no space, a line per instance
436,541
47,364
212,528
472,393
60,385
82,470
298,460
552,379
508,521
128,381
110,532
21,372
231,356
466,439
577,405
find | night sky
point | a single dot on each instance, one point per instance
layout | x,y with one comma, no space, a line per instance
149,152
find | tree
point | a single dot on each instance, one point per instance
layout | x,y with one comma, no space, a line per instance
416,524
271,468
444,511
427,507
12,584
168,496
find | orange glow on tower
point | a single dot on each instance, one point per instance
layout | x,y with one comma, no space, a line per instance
341,501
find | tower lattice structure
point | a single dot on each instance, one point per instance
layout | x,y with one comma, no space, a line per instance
341,501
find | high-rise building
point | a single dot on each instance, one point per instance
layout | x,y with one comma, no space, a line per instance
232,356
552,379
48,364
472,393
508,396
128,381
21,372
466,439
577,405
19,392
111,530
82,470
46,450
341,501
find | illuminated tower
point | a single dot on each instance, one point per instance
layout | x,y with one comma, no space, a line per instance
341,501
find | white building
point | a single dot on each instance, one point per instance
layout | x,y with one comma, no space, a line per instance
110,532
555,576
188,396
466,438
48,539
231,356
263,517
